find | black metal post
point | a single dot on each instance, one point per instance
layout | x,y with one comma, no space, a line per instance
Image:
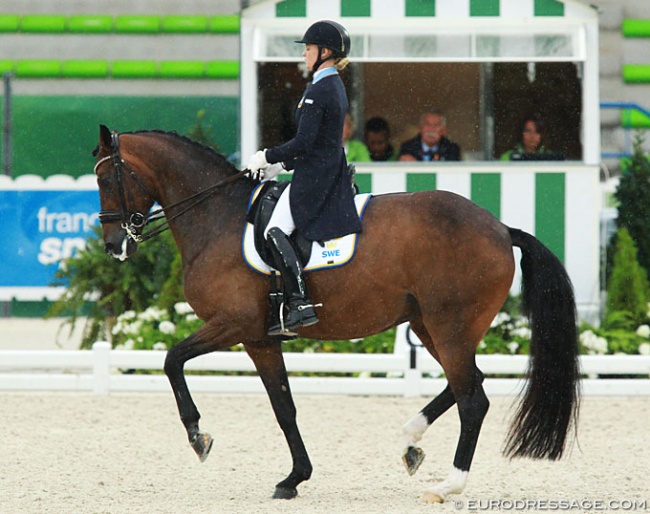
6,125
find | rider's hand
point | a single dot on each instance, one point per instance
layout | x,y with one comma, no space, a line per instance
271,171
257,162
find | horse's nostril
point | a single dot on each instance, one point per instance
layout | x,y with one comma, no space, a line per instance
108,248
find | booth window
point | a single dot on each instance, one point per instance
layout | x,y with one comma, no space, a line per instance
481,77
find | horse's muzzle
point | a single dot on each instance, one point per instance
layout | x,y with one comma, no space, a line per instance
122,250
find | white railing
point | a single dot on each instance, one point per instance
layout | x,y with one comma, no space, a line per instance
415,373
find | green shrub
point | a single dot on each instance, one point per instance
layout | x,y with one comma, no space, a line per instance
627,290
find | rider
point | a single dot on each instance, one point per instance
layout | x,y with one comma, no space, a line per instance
319,201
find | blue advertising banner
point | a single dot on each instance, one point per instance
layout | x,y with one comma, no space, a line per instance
38,228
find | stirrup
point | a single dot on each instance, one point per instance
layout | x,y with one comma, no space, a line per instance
286,327
280,329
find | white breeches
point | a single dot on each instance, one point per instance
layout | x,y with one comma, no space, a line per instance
281,216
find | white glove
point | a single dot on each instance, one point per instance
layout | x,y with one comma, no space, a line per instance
271,171
257,162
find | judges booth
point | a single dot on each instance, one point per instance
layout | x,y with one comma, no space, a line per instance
487,64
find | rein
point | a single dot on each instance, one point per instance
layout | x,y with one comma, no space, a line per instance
133,221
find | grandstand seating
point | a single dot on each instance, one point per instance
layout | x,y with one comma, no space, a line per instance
125,24
120,24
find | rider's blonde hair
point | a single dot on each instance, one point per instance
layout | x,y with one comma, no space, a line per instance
341,63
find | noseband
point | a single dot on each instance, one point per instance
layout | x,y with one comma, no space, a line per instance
133,221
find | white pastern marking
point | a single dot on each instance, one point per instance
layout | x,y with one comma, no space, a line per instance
414,429
454,484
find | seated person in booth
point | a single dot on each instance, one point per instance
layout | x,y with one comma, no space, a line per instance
530,146
377,139
431,143
355,151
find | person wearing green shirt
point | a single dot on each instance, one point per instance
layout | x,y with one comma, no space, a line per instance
355,151
532,133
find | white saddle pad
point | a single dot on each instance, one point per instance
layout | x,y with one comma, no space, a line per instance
336,252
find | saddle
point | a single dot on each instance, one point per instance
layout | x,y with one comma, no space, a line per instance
259,215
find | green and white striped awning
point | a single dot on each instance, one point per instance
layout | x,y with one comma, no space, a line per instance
425,8
429,30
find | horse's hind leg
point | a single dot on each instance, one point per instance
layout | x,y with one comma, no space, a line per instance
465,381
418,424
269,362
414,429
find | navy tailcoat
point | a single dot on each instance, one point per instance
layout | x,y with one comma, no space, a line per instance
321,195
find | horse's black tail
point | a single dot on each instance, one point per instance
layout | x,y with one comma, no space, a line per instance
549,408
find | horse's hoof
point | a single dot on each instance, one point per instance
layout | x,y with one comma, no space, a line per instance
412,459
202,444
285,493
431,497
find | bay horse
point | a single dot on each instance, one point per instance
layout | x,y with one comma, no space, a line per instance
432,258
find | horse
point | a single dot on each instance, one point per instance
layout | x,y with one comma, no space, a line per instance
431,258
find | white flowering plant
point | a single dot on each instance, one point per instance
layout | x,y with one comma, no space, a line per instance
510,334
154,328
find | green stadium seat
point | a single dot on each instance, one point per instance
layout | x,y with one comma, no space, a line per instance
224,24
636,73
6,66
43,23
636,28
182,70
134,69
184,24
222,69
85,69
634,119
137,24
90,24
9,22
38,68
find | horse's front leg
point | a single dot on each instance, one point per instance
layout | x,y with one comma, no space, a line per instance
270,365
199,343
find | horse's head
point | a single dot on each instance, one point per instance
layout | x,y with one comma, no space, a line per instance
124,198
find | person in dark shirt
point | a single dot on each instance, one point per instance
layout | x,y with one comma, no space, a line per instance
431,144
377,139
319,202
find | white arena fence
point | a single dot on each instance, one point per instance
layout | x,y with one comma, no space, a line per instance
412,373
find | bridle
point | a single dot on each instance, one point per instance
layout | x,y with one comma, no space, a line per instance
134,221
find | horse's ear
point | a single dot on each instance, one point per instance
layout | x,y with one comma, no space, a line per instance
104,137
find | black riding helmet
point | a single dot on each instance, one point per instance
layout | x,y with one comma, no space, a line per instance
328,34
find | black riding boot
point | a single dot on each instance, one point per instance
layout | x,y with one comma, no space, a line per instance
301,310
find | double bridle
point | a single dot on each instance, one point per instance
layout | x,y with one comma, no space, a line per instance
134,221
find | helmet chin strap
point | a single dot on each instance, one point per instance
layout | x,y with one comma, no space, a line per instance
319,62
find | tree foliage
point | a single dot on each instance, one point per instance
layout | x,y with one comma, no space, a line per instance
633,196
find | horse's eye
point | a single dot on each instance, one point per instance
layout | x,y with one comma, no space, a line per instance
105,183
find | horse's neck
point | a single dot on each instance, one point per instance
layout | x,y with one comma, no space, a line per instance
201,223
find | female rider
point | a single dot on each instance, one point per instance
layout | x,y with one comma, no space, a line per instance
319,202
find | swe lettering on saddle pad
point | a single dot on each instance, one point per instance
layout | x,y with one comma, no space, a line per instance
335,252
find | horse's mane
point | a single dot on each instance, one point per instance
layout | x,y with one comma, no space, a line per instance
221,158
